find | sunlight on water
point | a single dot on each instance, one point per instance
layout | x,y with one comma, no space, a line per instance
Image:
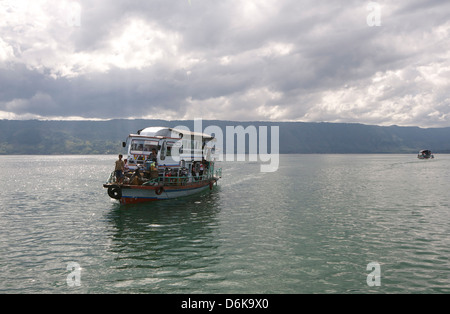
311,227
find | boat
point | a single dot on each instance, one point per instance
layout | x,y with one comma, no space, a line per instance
165,163
425,154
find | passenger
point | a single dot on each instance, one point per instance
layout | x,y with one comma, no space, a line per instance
153,155
135,178
120,166
125,167
201,170
195,170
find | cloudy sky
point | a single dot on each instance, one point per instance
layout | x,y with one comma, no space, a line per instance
382,62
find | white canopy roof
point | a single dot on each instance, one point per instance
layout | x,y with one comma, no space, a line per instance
172,132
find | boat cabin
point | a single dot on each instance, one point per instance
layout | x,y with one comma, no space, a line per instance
163,148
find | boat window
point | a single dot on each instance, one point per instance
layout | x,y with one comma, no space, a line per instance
143,147
147,147
137,145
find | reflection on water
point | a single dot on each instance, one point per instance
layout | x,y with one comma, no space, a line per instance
155,244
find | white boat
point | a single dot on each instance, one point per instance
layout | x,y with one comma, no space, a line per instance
182,163
425,154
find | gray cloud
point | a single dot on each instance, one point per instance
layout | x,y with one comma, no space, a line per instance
243,60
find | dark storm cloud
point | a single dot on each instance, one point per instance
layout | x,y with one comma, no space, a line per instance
116,94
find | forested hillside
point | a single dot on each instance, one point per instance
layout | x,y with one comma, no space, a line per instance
105,137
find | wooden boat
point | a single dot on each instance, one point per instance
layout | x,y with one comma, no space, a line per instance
425,154
165,163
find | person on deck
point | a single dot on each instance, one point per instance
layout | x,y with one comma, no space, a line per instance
125,167
120,167
153,155
202,168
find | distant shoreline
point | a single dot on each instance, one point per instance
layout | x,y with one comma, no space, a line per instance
35,137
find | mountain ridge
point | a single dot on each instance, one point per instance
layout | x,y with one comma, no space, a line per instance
37,137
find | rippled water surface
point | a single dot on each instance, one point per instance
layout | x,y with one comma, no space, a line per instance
311,227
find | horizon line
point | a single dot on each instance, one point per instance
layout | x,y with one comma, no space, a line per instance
238,121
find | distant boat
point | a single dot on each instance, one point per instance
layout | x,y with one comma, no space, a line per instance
425,154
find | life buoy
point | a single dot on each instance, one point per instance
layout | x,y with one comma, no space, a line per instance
159,190
115,192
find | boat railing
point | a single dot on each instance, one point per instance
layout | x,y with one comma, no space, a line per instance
177,180
166,180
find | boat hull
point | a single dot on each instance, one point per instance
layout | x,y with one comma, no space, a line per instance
133,194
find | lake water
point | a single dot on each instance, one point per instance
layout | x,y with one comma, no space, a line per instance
311,227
